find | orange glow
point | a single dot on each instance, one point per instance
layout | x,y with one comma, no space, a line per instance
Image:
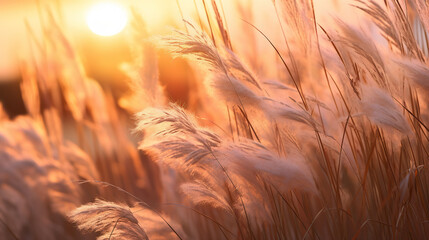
214,119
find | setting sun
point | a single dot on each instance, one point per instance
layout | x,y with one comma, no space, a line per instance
106,19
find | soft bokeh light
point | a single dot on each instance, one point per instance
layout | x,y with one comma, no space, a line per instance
107,19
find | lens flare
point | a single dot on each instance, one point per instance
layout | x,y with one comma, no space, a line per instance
107,19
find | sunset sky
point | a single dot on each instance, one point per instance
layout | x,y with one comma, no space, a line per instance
160,16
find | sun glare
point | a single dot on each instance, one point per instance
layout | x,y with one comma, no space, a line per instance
106,18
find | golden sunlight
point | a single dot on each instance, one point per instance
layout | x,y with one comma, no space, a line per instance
106,18
214,119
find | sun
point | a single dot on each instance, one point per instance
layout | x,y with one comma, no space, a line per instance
107,18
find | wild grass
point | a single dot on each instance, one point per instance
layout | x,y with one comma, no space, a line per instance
334,147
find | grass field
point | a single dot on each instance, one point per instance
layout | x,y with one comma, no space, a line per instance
310,131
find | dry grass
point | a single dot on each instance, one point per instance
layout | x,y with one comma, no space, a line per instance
334,148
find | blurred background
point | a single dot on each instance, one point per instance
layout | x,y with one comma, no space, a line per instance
102,56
